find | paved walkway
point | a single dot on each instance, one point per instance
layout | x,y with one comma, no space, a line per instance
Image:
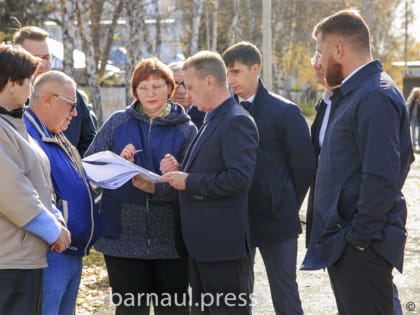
314,287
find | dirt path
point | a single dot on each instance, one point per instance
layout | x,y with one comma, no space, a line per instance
314,287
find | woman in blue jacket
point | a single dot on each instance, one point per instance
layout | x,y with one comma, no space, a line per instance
142,243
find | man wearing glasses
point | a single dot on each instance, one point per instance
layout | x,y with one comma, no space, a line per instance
53,106
82,128
180,95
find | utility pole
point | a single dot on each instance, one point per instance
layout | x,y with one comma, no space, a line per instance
267,45
406,39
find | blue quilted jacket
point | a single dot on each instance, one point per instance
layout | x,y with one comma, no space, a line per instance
136,224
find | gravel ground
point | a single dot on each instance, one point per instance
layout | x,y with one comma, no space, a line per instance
314,287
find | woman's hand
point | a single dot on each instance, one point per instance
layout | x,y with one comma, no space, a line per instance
143,184
169,164
128,152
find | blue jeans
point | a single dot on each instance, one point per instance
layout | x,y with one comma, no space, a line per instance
415,132
61,283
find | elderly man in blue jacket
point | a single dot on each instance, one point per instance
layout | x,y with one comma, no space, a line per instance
359,211
284,170
53,105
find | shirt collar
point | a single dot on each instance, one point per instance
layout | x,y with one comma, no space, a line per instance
355,71
249,99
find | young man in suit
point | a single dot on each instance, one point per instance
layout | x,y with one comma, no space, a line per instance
213,191
318,129
359,212
284,170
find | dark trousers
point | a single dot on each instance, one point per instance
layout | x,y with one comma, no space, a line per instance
221,287
136,284
280,265
362,283
20,291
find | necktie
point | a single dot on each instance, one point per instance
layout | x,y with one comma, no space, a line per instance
247,105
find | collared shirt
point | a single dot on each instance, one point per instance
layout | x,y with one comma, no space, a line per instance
249,99
354,72
324,124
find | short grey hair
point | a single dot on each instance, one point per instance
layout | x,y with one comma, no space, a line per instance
176,66
206,63
44,80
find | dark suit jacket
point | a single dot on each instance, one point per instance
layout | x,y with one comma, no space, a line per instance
214,211
362,167
284,170
197,116
320,108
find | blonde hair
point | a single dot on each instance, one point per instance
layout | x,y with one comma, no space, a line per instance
414,95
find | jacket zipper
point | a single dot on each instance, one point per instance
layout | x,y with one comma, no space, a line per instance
149,241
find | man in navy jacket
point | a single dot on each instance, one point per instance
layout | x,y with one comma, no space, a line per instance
284,170
359,212
82,128
213,191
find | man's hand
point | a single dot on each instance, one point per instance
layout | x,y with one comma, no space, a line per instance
63,241
176,179
143,184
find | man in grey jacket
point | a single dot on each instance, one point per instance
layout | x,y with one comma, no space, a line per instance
27,222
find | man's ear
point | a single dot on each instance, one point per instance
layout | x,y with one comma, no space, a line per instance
339,50
211,81
256,68
11,86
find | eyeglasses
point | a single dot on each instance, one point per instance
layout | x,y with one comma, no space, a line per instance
68,101
315,58
154,89
179,84
45,58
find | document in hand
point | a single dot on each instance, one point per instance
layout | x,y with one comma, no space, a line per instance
109,170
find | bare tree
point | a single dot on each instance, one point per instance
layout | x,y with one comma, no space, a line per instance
87,34
215,24
68,9
195,30
135,37
158,18
235,29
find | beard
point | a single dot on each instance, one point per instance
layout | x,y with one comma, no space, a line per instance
334,73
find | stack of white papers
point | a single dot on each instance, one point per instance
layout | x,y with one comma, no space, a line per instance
109,170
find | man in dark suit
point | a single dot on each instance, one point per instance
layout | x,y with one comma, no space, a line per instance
284,170
318,129
359,212
213,191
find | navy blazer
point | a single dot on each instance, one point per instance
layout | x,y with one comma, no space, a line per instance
362,167
214,211
320,108
285,168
